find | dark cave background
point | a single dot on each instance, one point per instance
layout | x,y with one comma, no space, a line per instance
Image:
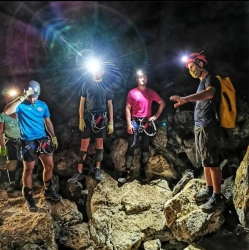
49,42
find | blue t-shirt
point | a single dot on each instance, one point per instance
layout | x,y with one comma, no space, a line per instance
204,114
31,119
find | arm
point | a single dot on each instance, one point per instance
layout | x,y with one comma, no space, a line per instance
110,110
159,111
130,128
82,107
201,96
1,134
11,107
49,126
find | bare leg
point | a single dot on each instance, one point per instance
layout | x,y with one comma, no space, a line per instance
216,176
48,165
27,174
208,177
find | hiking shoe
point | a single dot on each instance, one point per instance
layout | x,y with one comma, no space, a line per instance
51,194
143,177
124,177
31,205
76,177
11,187
202,195
212,204
97,174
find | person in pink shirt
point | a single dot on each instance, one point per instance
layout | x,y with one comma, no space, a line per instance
140,122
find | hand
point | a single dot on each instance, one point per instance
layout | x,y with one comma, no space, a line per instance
82,125
110,128
130,129
153,118
180,100
55,142
26,94
3,151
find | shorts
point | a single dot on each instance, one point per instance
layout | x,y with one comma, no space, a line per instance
207,140
11,146
32,149
88,131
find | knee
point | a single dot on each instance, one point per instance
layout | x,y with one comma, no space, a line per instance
28,171
49,167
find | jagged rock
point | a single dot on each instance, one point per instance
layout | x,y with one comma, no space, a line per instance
185,219
193,247
241,191
124,217
118,150
159,166
152,245
76,237
160,139
190,150
26,228
186,177
65,163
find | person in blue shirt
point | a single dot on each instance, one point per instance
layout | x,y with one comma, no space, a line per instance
34,120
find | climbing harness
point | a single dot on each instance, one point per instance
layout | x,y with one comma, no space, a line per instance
141,127
143,124
43,143
99,122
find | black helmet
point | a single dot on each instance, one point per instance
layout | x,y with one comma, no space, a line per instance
36,87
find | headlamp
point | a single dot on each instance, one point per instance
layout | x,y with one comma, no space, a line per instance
93,65
141,73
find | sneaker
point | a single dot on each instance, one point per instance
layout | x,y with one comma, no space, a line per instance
202,195
31,205
49,193
11,187
97,174
212,204
143,177
76,177
124,177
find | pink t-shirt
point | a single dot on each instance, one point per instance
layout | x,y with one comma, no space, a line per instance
141,101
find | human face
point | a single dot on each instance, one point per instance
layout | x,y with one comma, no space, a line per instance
194,70
32,100
97,76
142,80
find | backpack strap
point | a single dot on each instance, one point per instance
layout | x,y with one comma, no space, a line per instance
214,108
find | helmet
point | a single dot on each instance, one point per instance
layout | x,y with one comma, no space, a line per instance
36,87
195,57
141,73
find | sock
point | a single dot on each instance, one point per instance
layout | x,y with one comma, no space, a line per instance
209,189
80,171
217,196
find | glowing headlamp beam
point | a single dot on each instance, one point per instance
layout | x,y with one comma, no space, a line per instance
93,65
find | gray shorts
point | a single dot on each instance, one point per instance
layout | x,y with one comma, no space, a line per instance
207,141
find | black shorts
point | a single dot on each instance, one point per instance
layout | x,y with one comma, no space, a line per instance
209,145
11,146
95,132
32,149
